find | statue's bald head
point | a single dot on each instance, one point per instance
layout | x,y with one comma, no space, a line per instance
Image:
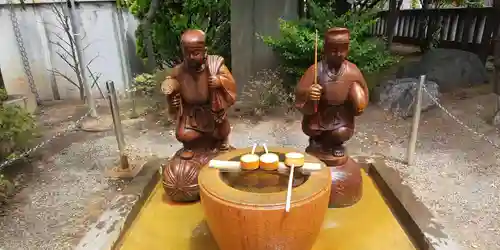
193,38
193,48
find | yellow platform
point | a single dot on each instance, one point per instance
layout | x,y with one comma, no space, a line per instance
368,225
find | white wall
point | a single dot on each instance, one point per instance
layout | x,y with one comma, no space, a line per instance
38,26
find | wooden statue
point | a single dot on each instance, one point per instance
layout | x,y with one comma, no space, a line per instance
329,103
199,91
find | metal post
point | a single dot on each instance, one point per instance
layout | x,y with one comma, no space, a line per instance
115,113
498,102
75,28
416,120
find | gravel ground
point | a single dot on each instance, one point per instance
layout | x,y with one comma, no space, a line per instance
68,193
455,173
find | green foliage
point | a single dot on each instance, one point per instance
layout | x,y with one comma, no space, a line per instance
145,84
149,86
474,3
17,129
267,92
175,16
3,95
295,46
6,189
415,3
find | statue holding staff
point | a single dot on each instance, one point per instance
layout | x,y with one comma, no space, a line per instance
330,105
330,94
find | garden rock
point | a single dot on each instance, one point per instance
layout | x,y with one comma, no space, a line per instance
449,68
399,96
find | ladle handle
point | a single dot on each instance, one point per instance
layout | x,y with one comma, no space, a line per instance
289,192
226,166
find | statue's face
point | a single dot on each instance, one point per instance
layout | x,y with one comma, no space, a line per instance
336,52
194,56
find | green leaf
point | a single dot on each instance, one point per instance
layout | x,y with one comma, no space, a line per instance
295,45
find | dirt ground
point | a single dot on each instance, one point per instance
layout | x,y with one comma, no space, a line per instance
456,174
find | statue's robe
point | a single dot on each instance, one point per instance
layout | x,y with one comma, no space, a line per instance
202,111
343,97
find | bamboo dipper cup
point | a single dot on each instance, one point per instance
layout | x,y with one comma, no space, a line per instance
269,161
250,161
294,159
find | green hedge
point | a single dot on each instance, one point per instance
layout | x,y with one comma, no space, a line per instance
295,45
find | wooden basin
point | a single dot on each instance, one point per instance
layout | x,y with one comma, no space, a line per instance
377,221
244,215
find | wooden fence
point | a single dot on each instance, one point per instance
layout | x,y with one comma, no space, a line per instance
470,29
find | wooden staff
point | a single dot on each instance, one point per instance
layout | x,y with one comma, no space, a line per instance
316,68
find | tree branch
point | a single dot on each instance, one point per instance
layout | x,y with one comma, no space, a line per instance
91,60
53,25
61,38
95,79
73,66
58,73
58,44
86,46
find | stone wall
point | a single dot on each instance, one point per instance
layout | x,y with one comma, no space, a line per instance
251,17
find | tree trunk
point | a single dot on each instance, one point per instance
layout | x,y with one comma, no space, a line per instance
391,22
2,85
496,49
424,22
301,8
148,40
149,46
496,61
342,7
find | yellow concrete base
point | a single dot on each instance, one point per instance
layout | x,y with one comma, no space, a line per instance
368,225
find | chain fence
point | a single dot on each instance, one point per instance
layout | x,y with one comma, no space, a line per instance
74,125
457,120
70,128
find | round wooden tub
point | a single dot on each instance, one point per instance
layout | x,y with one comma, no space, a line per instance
246,210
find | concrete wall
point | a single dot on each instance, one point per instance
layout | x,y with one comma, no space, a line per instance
251,17
40,30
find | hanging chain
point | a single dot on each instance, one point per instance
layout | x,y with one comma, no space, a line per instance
473,131
22,49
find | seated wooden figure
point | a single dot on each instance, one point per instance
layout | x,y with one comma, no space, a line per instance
199,91
329,108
